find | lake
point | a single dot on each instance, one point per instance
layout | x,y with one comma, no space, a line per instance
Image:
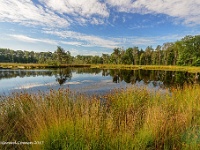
91,81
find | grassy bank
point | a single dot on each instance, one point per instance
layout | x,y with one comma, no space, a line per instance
101,66
126,119
148,67
37,66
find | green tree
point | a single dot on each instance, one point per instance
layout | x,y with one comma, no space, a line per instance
186,50
105,58
135,55
116,55
147,56
142,59
61,56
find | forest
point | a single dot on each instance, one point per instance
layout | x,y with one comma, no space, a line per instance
185,52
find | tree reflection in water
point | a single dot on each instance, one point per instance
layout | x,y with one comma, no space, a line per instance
116,79
63,75
156,77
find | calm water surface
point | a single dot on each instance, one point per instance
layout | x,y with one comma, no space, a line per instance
91,81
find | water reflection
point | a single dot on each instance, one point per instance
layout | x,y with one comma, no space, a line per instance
116,78
63,75
168,78
8,73
155,77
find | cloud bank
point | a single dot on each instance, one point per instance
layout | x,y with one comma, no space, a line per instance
67,12
26,12
186,10
57,18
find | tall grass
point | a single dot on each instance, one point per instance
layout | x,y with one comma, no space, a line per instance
125,119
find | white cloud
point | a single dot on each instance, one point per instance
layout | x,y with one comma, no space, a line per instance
78,7
64,13
72,82
135,41
83,11
96,21
82,40
33,85
25,38
118,3
75,52
69,38
53,13
187,10
71,43
27,13
86,40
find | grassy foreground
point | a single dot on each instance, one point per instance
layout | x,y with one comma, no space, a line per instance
126,119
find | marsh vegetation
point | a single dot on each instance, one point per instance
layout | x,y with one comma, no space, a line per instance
124,119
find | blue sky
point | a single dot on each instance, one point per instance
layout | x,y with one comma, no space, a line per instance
93,27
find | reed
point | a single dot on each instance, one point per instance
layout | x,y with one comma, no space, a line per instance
132,118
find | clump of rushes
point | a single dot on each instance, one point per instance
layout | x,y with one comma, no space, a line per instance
132,118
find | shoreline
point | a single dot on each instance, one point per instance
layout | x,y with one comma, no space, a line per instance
101,66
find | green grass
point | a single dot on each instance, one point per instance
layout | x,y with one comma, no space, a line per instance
148,67
126,119
37,66
102,66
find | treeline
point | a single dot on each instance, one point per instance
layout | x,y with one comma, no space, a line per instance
183,52
19,56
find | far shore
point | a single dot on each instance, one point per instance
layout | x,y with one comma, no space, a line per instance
100,66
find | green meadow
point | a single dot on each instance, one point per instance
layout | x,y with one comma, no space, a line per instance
131,118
